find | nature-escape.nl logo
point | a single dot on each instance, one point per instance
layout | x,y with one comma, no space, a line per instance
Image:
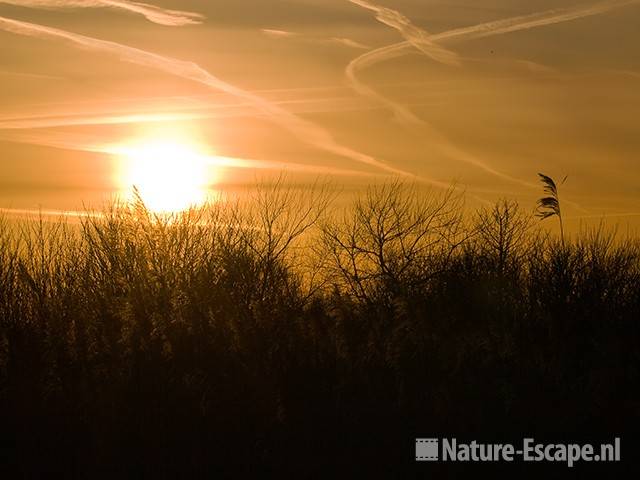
450,450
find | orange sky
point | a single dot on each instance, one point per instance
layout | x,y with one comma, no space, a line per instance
486,93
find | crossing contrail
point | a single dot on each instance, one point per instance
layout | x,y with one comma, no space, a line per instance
417,38
498,27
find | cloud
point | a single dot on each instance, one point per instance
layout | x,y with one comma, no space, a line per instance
416,38
535,20
284,166
536,67
32,212
114,116
345,42
29,75
371,58
349,43
278,33
51,121
499,27
90,143
303,129
155,14
628,73
414,35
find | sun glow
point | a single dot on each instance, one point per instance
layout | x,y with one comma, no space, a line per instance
169,176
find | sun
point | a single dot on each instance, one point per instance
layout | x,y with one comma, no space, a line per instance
170,176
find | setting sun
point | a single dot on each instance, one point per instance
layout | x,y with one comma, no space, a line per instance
170,176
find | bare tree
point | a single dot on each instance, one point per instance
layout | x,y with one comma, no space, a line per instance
278,221
503,233
391,237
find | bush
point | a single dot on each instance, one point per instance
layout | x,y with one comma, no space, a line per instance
277,334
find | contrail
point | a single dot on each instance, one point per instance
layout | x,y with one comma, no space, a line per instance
29,75
161,16
306,131
371,58
234,110
420,39
346,42
499,27
535,20
84,143
284,166
414,35
278,33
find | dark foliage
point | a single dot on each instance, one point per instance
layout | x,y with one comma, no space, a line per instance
244,339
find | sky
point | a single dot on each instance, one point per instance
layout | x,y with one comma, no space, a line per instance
96,95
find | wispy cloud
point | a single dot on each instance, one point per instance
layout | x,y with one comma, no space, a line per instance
627,73
420,39
33,212
303,129
535,20
349,43
278,33
536,67
414,35
345,42
28,75
235,162
153,13
33,122
499,27
93,144
371,58
154,114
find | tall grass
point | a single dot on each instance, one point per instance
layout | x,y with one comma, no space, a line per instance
277,332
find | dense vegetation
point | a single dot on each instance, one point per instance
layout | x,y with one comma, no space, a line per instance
278,333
